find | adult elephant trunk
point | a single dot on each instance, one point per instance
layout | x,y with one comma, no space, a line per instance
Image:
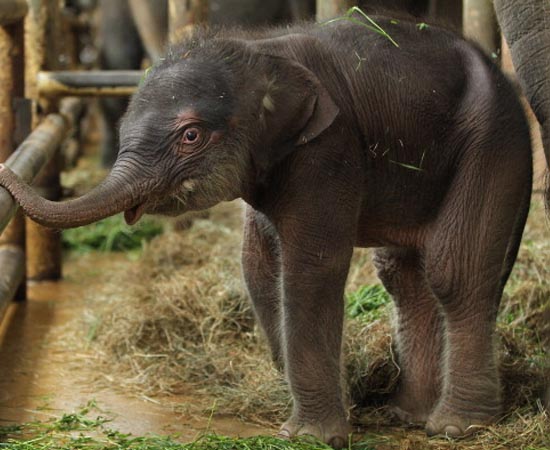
120,191
526,27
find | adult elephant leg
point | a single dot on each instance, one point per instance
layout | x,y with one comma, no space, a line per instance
261,269
151,20
526,27
418,332
120,49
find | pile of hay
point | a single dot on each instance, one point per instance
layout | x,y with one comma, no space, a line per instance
179,322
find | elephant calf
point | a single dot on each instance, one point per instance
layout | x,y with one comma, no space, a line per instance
337,136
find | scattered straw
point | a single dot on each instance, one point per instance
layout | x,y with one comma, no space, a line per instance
179,322
370,24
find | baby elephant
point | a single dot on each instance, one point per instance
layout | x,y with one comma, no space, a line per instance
407,140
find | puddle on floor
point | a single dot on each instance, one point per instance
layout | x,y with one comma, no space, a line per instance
43,377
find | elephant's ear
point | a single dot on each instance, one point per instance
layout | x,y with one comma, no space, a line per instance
295,107
295,104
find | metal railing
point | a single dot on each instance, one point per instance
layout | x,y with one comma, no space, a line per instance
27,161
95,83
12,11
30,81
22,28
12,240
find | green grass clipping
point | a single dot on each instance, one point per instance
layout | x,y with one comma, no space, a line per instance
83,431
111,235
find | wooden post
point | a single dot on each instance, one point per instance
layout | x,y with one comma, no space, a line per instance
7,88
12,90
480,24
327,9
184,15
44,50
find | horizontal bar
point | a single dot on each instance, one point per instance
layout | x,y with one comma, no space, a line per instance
12,11
36,150
30,157
102,83
12,273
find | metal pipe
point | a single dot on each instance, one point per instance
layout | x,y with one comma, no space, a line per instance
31,156
105,83
12,11
12,262
35,151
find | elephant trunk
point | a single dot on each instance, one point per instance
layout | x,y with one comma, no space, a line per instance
118,192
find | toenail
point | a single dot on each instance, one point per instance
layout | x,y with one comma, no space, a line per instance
430,429
283,434
453,431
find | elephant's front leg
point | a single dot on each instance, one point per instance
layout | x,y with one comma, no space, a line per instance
261,270
312,318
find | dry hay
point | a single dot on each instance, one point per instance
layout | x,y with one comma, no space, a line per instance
178,322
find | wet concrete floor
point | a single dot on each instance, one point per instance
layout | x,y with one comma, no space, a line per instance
44,375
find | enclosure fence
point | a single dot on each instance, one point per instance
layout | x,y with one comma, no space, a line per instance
39,109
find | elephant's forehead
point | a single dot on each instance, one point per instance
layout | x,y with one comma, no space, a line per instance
187,80
184,86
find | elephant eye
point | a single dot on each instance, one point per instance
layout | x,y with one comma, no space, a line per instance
191,135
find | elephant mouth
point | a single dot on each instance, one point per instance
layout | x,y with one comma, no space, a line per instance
132,215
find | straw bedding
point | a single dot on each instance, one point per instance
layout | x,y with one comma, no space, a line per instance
178,322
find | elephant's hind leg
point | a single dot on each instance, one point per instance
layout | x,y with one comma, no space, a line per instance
468,257
418,332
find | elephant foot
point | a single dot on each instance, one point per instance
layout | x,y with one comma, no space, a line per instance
413,407
334,432
457,423
409,416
